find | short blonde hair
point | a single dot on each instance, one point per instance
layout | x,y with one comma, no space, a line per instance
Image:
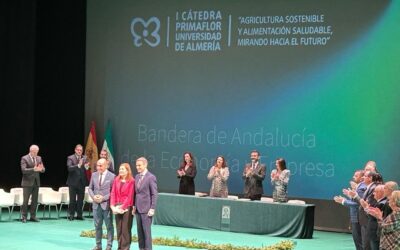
142,159
396,198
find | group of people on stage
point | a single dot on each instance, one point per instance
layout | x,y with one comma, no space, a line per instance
253,176
374,210
122,196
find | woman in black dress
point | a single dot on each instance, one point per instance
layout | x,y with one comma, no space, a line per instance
186,172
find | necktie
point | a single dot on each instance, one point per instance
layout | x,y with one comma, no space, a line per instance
140,180
100,179
34,161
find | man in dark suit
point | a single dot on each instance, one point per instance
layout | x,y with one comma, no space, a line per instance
145,202
100,190
77,165
360,188
253,176
31,167
368,198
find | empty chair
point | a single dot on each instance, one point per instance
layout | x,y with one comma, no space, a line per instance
300,202
87,199
49,198
267,199
6,200
64,191
18,198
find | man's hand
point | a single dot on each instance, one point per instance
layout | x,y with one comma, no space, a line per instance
364,204
376,212
98,198
150,213
339,199
133,210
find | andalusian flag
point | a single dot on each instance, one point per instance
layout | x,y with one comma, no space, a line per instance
91,151
108,145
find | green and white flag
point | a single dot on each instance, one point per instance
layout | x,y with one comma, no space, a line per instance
108,145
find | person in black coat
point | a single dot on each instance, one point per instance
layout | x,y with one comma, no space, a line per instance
186,173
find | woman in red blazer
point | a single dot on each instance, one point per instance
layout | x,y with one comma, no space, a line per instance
121,203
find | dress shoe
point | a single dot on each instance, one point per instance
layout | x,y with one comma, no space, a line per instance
109,248
23,220
96,248
34,219
71,218
79,218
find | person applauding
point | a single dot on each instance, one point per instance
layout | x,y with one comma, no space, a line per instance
219,174
186,173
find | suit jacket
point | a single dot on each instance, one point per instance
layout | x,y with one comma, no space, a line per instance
368,197
145,193
30,177
253,184
104,189
386,209
354,206
76,175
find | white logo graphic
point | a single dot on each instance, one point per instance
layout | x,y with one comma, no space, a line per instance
226,212
145,31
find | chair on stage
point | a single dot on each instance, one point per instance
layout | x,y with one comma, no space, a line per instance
298,202
64,191
6,200
19,198
87,199
48,198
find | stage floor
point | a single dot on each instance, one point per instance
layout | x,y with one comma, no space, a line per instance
61,234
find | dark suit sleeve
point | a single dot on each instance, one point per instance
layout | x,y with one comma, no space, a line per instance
41,161
192,171
244,172
153,192
70,164
260,175
25,166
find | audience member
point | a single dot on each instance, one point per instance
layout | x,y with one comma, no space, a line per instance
219,174
186,173
253,176
280,180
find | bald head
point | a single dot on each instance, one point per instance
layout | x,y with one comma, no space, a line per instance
101,165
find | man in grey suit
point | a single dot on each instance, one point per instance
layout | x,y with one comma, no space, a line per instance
31,167
77,165
253,176
145,202
100,190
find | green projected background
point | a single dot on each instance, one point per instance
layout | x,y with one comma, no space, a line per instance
314,82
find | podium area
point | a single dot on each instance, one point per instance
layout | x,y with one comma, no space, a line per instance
243,216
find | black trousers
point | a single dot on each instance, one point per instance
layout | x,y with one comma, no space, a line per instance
27,192
124,226
76,195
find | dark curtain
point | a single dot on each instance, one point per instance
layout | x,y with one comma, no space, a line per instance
42,55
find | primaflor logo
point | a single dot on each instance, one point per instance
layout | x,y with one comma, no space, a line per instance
145,32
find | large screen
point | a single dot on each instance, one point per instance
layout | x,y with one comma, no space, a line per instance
315,82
